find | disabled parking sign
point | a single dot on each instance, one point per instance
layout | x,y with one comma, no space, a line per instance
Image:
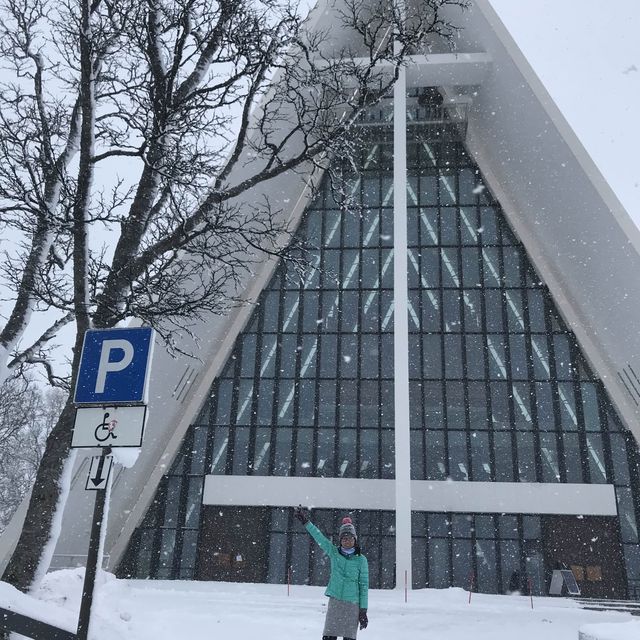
114,366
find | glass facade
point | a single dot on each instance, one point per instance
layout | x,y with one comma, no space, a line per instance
499,389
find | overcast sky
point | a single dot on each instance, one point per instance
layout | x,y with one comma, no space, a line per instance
587,54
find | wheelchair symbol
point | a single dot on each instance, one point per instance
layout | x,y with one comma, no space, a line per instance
105,429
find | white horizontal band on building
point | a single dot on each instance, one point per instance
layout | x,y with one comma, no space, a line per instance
426,495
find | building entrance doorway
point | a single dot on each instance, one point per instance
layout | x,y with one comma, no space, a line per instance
590,547
233,544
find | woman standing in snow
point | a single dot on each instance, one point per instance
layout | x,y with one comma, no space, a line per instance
348,587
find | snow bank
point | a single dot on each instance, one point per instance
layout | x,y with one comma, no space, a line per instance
612,631
159,610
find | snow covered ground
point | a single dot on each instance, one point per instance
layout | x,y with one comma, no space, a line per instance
158,610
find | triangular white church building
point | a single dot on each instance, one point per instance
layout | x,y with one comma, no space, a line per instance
460,373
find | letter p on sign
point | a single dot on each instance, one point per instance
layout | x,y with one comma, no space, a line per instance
114,366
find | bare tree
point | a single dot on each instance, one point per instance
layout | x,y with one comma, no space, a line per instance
27,415
205,101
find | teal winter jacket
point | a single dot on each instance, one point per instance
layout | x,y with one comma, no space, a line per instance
349,574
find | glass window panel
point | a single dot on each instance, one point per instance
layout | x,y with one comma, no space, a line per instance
386,355
351,227
270,307
572,457
430,268
417,454
172,502
549,456
544,404
435,458
286,393
369,454
433,405
455,405
451,310
515,310
288,354
532,528
510,566
497,357
415,405
503,448
475,354
369,355
268,355
484,526
370,269
567,404
471,267
462,565
188,554
386,404
415,357
199,449
306,402
489,226
330,314
540,355
590,406
619,458
518,354
562,357
262,451
487,573
428,190
453,356
350,277
478,418
348,406
536,310
330,271
325,453
290,311
349,306
461,525
491,266
468,182
369,403
439,559
526,458
145,552
628,523
223,401
300,558
265,402
493,310
428,226
472,310
167,547
282,462
220,449
450,269
240,450
349,356
469,231
430,310
371,223
595,456
277,558
247,369
304,452
419,563
458,463
447,184
500,405
449,226
308,356
387,448
521,394
328,356
480,456
432,354
511,257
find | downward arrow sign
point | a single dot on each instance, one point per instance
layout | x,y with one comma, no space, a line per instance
99,479
99,472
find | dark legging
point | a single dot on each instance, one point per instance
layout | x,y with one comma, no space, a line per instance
334,638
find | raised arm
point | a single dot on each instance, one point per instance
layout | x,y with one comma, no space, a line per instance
302,515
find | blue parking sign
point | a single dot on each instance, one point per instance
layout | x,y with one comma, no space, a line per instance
114,366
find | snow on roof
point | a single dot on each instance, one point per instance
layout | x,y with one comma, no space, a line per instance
587,56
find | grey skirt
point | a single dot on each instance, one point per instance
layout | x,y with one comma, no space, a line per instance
342,619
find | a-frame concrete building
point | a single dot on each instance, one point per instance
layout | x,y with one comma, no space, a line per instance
459,373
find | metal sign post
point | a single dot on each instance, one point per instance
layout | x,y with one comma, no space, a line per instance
92,558
111,392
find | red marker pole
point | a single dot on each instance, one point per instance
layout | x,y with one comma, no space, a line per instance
470,586
288,581
406,586
530,592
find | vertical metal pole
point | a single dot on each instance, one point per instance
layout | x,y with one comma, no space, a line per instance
92,560
401,331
